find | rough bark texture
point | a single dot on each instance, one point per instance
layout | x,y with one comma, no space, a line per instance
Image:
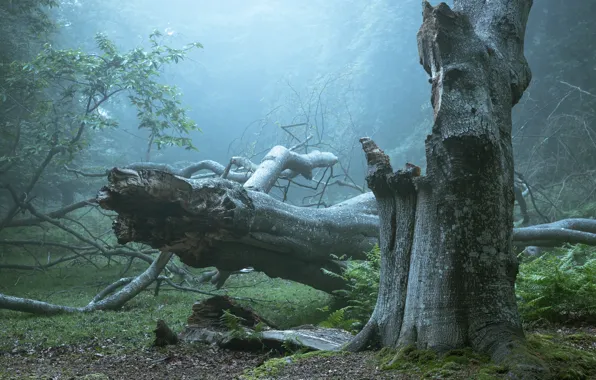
448,270
216,222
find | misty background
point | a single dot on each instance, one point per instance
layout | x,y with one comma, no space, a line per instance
341,69
349,67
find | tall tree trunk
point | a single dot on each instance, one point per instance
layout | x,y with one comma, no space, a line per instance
448,270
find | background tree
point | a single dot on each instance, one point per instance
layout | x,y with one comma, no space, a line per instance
29,26
75,85
57,103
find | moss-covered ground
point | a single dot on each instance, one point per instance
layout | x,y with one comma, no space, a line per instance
118,344
76,283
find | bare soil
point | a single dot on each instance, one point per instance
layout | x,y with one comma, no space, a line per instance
177,362
106,360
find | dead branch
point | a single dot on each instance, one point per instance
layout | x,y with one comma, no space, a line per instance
114,302
572,231
41,266
57,214
280,159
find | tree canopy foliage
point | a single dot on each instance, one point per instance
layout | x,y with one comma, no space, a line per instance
75,84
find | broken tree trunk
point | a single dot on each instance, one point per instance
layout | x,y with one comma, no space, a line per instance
217,222
447,266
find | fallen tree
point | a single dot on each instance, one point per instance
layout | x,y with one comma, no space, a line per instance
216,222
235,224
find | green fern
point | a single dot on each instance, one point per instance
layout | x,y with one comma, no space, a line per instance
337,319
233,324
559,286
360,295
236,327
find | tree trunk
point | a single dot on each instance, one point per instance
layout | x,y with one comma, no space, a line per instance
448,270
217,222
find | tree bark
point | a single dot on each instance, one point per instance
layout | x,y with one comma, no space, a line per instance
216,222
448,270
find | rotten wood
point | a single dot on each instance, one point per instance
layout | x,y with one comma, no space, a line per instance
216,222
207,324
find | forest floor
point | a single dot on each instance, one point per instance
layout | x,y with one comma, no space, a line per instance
179,362
108,360
118,345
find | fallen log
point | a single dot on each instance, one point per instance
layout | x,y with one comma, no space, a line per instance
222,223
217,222
221,321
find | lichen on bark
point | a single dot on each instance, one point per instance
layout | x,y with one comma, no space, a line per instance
449,281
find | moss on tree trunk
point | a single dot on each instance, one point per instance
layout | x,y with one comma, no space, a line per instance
448,270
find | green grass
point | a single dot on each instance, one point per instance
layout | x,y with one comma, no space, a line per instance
74,284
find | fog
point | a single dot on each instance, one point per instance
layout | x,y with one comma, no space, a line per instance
337,70
348,67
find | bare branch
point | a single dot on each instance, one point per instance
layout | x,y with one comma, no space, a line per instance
57,214
573,231
113,302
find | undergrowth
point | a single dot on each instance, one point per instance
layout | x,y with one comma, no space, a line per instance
75,283
557,287
360,296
